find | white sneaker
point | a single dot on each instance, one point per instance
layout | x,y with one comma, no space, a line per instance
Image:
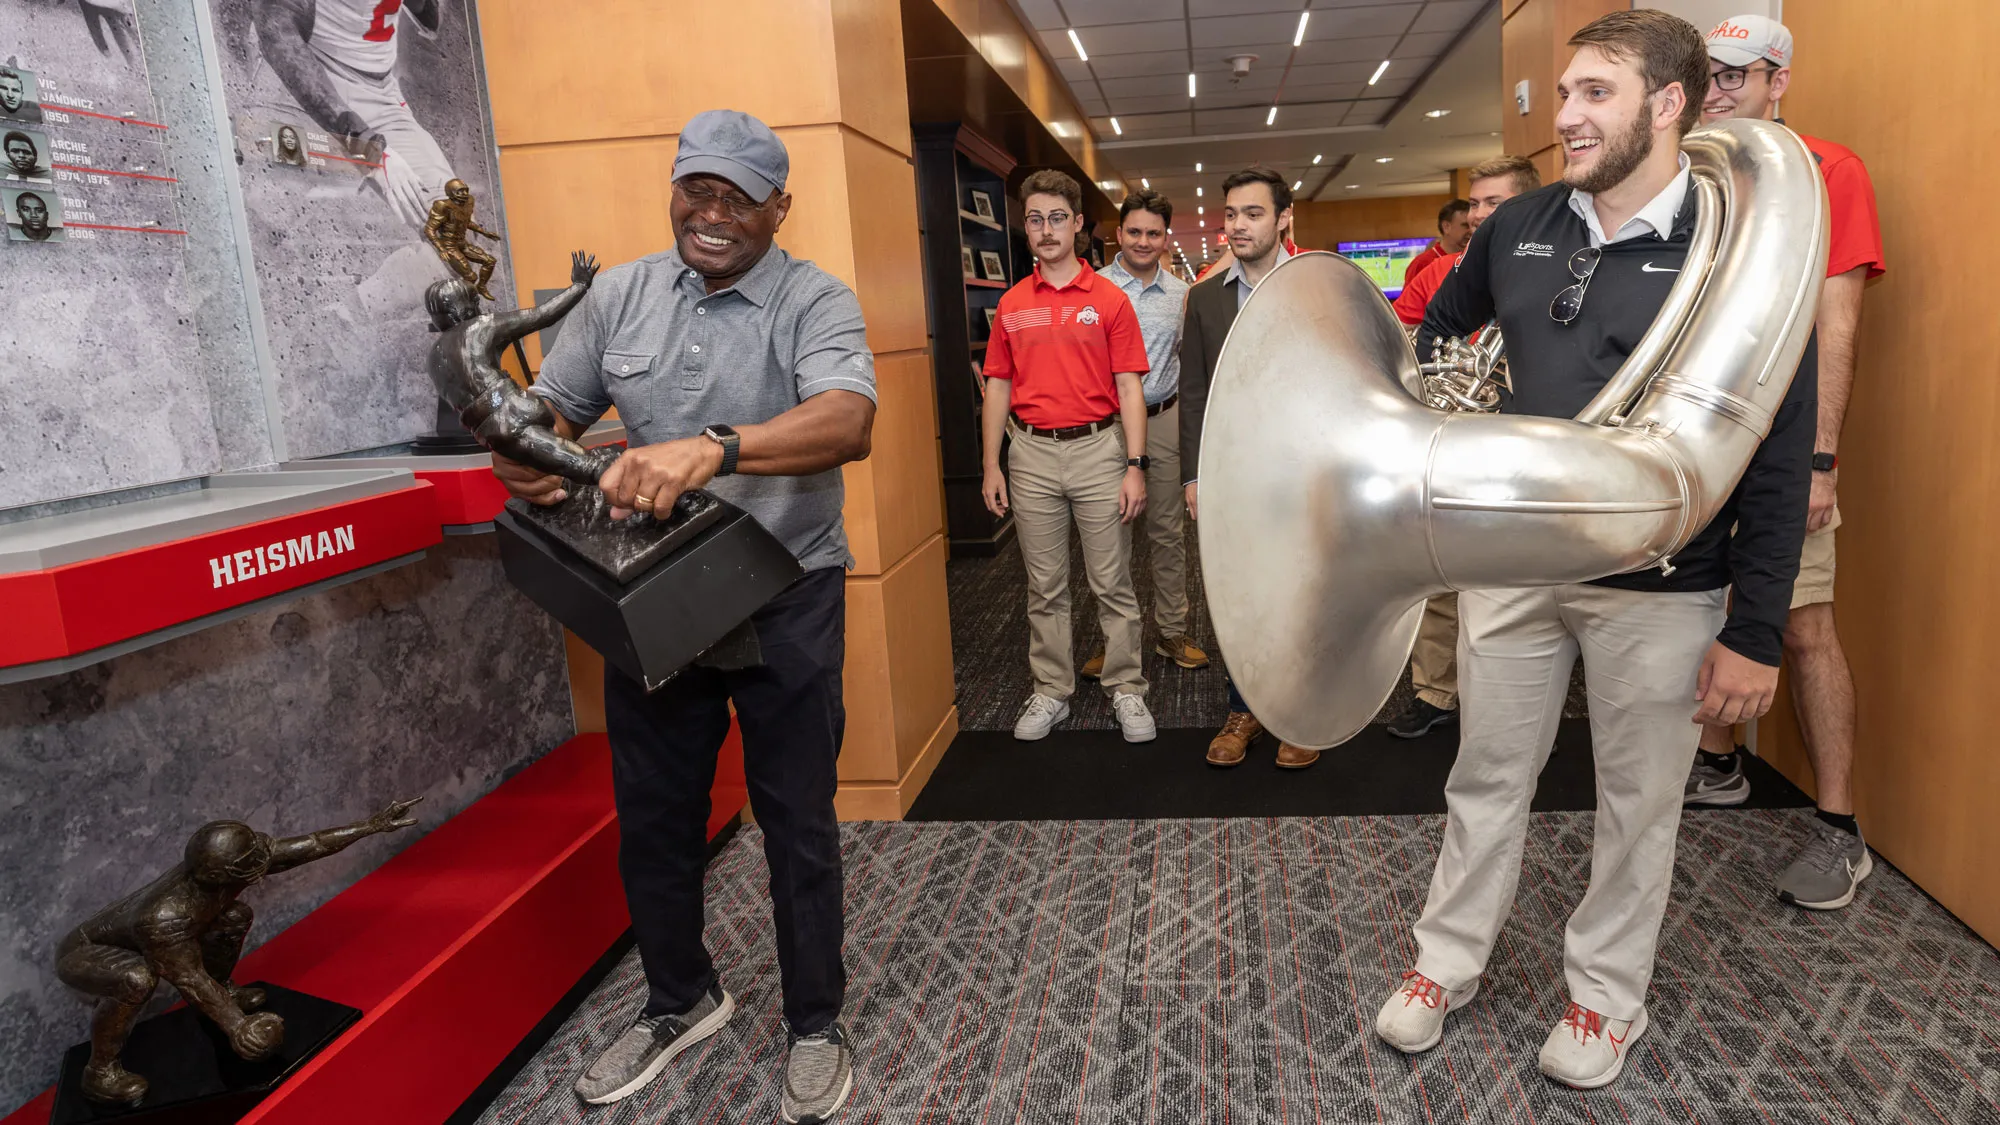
1412,1019
1587,1050
1039,717
1133,718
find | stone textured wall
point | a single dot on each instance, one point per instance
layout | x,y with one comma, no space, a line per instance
433,679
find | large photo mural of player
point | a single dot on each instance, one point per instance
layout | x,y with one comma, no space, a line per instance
350,119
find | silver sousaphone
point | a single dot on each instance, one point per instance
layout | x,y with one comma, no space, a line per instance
1333,501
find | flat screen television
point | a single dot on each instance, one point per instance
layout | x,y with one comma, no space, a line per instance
1385,259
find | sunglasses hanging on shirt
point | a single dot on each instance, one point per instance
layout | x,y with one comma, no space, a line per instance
1569,302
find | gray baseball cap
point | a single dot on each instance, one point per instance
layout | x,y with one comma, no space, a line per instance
737,147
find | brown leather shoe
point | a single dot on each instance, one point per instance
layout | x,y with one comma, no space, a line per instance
1228,746
1292,757
1093,669
1180,648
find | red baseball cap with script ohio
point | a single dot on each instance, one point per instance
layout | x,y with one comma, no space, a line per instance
1742,40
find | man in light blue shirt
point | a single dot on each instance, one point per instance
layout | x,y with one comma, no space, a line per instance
1159,298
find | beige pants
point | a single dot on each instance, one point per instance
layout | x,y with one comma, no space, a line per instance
1434,662
1165,518
1641,656
1815,581
1052,483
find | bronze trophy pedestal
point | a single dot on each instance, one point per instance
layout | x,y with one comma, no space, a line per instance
196,1079
650,595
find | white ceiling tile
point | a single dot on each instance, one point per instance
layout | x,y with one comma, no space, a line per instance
1075,71
1096,13
1132,38
1149,86
1038,13
1318,52
1349,23
1230,120
1149,62
1160,104
1200,8
1320,116
1325,92
1270,34
1425,43
1448,15
1331,72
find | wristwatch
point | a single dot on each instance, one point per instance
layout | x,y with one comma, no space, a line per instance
1824,462
1141,462
727,438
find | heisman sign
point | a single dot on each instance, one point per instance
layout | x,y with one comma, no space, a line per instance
383,28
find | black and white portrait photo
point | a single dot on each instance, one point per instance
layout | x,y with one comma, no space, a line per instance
27,153
33,216
286,147
20,96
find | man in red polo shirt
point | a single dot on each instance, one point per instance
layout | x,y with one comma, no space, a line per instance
1064,373
1750,66
1455,227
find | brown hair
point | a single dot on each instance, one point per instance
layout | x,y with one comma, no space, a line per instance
1669,49
1526,176
1281,192
1050,181
1147,200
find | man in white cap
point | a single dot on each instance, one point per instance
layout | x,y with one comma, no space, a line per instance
1750,67
743,370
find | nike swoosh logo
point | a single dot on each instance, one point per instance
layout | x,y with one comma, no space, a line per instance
1651,268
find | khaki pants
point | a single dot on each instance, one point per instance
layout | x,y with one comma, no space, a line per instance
1815,581
1165,518
1434,662
1642,653
1050,484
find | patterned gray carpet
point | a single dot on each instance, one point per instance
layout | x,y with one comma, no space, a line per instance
1123,972
989,644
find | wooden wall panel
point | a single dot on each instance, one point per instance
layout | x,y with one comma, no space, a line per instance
868,42
1320,226
894,497
898,674
879,225
1527,50
1918,609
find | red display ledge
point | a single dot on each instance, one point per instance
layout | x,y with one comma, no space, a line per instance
456,948
82,586
468,494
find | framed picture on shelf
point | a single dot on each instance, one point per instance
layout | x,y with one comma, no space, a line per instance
982,206
991,313
990,261
965,261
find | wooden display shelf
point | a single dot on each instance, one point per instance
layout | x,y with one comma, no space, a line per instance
971,217
982,283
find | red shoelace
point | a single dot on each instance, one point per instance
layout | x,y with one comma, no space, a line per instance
1582,1022
1422,988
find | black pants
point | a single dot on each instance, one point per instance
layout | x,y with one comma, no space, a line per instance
663,749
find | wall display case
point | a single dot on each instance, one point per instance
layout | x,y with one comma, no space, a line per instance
972,253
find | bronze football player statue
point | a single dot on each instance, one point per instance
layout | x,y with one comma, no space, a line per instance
187,928
465,368
445,230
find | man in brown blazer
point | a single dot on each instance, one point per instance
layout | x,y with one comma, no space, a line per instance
1256,209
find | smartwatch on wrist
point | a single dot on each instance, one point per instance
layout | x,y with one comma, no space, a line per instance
727,438
1824,462
1141,462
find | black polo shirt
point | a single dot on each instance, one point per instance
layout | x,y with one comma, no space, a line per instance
1516,263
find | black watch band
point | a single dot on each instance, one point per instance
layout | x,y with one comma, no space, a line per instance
1141,462
728,439
1824,462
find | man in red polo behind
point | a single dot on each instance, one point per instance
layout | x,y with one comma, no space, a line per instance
1065,381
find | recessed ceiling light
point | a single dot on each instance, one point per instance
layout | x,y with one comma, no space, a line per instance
1145,183
1376,77
1351,187
1078,44
1319,157
1197,191
1116,127
1201,210
1297,184
1197,167
1299,36
1384,159
1190,85
1437,113
1271,118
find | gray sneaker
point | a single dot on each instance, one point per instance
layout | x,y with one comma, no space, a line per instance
649,1045
1709,784
1827,870
819,1074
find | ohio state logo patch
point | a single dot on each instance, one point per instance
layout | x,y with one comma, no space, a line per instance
1088,315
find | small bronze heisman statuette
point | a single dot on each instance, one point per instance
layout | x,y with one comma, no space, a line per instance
187,928
445,230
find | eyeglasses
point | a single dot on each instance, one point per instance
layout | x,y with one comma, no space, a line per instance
1735,76
736,204
1036,221
1569,302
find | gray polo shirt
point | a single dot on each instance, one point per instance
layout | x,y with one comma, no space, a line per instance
1159,306
672,357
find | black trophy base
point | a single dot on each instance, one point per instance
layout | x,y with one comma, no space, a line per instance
621,549
705,576
196,1079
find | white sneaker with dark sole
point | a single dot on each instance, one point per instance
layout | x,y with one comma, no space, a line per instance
639,1055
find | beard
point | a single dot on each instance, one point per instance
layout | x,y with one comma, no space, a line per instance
1618,156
